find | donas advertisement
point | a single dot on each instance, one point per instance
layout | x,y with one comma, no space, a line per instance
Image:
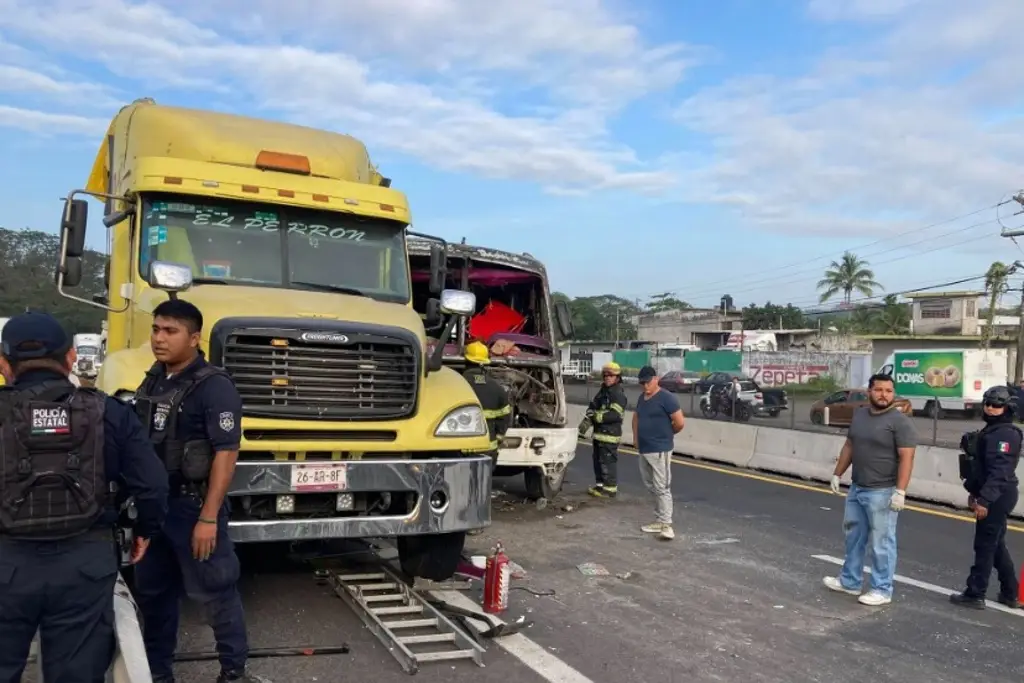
940,375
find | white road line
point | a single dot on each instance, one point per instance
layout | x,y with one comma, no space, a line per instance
931,587
533,656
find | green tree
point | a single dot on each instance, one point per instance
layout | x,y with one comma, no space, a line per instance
995,286
665,302
773,317
596,317
847,275
27,280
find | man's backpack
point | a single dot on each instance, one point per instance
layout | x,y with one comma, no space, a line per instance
53,482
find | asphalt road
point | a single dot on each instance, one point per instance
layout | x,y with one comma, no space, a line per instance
737,596
944,432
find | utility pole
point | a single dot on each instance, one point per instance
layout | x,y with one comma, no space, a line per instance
616,327
1019,198
1018,364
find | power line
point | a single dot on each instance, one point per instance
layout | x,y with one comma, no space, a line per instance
833,254
788,280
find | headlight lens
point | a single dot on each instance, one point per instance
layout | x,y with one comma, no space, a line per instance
465,421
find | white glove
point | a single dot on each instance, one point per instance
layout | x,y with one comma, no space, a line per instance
898,500
834,484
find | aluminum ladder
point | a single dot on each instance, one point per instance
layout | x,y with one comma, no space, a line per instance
400,618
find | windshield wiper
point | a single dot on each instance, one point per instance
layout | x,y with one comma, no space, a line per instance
329,288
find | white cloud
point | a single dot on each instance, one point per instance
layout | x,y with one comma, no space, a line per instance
388,72
47,124
905,124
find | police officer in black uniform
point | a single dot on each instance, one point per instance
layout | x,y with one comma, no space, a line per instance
988,468
194,413
66,455
492,396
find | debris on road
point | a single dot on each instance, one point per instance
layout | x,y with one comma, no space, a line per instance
592,569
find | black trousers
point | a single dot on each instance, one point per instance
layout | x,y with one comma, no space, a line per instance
990,550
606,463
64,589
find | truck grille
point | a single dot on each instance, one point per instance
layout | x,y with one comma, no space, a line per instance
367,378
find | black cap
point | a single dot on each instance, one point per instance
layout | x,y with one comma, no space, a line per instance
33,335
646,373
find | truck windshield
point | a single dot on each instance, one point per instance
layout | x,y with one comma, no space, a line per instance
265,245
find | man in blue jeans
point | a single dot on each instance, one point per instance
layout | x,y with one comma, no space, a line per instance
880,445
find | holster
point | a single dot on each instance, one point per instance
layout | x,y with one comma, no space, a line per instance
194,459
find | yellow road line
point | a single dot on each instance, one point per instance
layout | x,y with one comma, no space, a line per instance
736,472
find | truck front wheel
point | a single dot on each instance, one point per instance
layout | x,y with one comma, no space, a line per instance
434,557
538,485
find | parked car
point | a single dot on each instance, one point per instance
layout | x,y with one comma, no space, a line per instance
679,381
775,400
841,405
750,402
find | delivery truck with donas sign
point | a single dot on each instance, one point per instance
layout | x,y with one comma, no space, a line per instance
293,246
942,380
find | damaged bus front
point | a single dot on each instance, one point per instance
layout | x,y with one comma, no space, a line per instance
517,320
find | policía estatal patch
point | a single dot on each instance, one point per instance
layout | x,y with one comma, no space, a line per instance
51,420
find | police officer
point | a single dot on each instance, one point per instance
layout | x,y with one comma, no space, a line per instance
605,413
988,469
492,396
65,455
193,413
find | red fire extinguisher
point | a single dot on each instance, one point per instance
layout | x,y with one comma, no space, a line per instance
496,581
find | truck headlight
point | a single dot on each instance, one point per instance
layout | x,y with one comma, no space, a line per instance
464,421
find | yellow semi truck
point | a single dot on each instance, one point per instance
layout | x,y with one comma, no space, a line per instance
294,247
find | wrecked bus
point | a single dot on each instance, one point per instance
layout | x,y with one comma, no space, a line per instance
515,317
294,248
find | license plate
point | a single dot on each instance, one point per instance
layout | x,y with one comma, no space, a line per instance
319,478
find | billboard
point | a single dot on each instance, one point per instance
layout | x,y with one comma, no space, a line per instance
937,374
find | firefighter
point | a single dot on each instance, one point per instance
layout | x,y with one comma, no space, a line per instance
605,414
492,396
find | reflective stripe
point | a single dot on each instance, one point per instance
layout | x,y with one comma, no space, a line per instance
492,447
599,416
618,409
500,412
606,438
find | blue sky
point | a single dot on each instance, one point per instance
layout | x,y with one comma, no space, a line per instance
636,147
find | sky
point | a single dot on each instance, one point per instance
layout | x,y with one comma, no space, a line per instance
700,148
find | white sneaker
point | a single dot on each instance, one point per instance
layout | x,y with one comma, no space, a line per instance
654,528
667,534
874,599
833,583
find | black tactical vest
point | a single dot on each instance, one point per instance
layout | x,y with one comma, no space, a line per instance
53,484
971,463
159,415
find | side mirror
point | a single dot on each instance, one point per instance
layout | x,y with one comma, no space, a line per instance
169,276
71,271
438,268
563,317
76,214
457,302
433,318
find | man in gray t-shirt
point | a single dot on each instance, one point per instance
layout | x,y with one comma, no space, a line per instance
880,445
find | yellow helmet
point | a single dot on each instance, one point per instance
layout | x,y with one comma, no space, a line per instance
476,352
612,367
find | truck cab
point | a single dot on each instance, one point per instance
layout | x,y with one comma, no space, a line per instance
294,247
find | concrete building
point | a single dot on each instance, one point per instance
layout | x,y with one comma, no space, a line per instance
684,326
945,312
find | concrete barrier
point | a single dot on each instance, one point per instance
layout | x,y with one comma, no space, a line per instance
807,455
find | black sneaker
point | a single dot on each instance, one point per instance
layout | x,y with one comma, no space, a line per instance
240,677
1010,601
965,600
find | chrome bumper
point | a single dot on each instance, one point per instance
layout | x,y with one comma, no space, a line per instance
466,482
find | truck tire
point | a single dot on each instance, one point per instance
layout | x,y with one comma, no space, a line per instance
539,486
434,557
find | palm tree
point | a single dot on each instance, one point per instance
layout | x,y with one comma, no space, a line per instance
846,275
894,317
995,286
